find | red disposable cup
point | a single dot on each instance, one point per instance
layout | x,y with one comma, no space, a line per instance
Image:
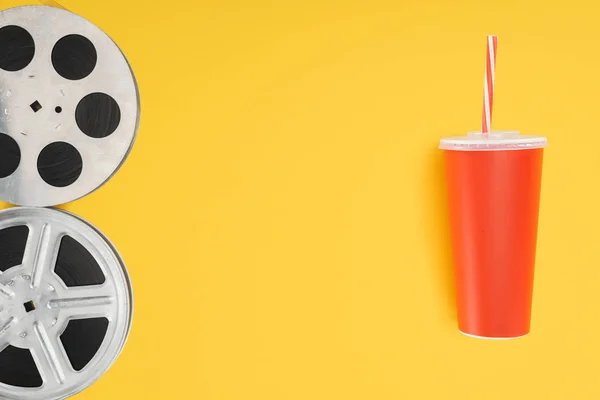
493,184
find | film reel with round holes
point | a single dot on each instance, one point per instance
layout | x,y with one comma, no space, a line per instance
69,114
69,106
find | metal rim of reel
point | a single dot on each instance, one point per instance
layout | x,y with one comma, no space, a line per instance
39,107
34,281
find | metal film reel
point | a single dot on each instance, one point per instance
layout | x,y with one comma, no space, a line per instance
69,106
65,304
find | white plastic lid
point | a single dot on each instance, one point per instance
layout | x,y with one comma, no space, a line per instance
496,140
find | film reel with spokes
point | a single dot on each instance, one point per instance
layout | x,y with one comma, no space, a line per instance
69,106
65,304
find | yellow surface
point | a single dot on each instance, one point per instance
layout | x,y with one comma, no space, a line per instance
283,213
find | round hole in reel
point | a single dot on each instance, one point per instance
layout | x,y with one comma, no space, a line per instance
65,304
74,57
73,85
17,46
59,164
10,155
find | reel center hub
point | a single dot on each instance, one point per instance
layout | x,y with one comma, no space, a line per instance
25,306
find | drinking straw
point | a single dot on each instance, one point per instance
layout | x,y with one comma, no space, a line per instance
488,94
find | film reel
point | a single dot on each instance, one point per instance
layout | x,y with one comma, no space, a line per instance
69,106
66,304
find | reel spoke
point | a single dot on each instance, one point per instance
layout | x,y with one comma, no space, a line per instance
51,362
39,252
85,301
6,292
4,328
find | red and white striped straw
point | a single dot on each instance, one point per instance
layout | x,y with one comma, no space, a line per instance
488,94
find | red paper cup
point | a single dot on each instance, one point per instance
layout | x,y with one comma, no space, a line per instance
493,184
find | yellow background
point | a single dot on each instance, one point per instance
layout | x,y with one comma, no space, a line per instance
283,212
